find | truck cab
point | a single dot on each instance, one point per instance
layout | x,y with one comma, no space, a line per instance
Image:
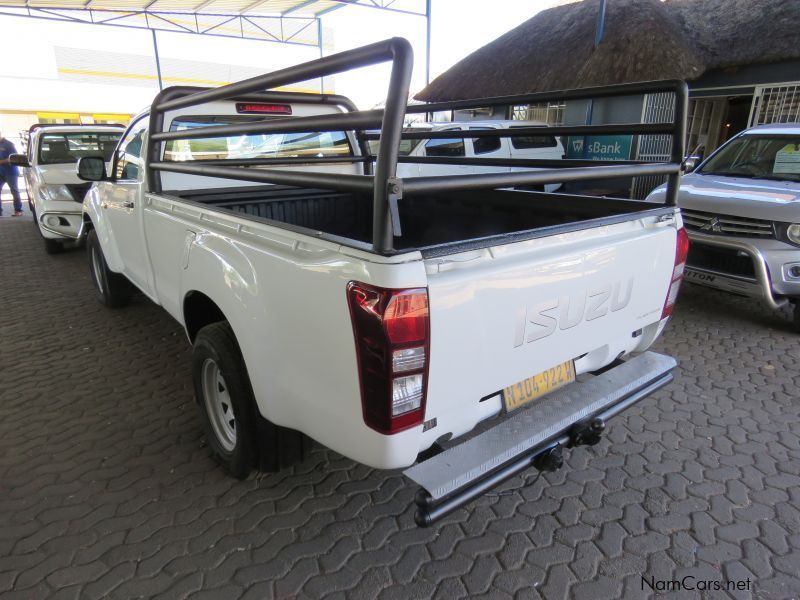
55,193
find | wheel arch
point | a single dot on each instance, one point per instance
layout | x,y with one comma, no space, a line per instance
277,446
200,310
93,219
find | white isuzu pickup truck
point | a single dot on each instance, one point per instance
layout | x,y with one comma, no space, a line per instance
384,317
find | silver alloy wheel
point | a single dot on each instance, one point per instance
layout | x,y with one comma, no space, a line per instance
98,273
218,405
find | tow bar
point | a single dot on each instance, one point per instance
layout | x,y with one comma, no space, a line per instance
460,474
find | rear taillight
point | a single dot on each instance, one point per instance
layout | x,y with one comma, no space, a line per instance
392,331
681,251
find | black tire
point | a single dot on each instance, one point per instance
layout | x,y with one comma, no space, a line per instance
53,246
796,316
112,289
226,402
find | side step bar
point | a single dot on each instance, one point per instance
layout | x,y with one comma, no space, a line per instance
568,417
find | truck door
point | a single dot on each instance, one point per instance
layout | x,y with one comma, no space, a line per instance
122,205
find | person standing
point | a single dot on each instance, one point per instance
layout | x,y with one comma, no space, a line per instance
9,174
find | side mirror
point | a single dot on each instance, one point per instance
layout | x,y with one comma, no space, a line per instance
92,168
20,160
689,164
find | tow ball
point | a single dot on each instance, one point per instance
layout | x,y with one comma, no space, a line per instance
583,433
587,433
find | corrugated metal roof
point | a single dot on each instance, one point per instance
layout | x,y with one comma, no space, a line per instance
247,7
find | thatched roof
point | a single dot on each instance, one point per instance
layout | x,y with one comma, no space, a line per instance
644,40
730,33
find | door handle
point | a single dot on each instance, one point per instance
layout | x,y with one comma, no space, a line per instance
128,204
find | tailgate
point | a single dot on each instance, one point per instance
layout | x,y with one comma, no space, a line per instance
503,314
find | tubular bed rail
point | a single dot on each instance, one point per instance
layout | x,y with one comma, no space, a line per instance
381,182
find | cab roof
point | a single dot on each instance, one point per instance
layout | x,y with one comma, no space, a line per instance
77,129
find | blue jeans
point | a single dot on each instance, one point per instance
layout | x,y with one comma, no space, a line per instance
11,181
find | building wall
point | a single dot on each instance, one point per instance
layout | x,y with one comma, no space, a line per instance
627,109
603,111
742,80
726,101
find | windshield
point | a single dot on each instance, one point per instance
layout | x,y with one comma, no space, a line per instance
313,144
65,148
759,157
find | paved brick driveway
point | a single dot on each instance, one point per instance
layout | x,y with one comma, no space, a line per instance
107,489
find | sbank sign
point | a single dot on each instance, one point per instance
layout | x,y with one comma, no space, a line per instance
600,147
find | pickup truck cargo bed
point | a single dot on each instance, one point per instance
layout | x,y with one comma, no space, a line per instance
428,220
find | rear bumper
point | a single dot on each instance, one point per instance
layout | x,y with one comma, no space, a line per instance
464,472
772,260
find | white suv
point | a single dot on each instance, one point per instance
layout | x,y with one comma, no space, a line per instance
523,146
55,193
741,208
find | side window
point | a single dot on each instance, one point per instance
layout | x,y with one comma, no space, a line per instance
487,144
524,142
449,147
129,162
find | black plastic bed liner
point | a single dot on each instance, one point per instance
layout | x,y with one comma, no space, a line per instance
435,224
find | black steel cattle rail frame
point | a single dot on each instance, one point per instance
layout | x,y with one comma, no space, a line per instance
383,184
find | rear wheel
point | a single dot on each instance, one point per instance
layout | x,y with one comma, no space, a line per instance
222,389
112,289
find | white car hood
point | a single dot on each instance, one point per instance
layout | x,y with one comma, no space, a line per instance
59,173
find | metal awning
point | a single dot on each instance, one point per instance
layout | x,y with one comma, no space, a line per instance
296,22
283,21
250,7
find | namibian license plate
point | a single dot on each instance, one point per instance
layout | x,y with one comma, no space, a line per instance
537,386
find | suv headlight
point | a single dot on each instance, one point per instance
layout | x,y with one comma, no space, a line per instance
58,192
793,233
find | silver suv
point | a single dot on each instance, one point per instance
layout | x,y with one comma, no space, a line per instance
741,208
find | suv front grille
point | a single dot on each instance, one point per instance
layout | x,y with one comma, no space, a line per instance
704,222
722,260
